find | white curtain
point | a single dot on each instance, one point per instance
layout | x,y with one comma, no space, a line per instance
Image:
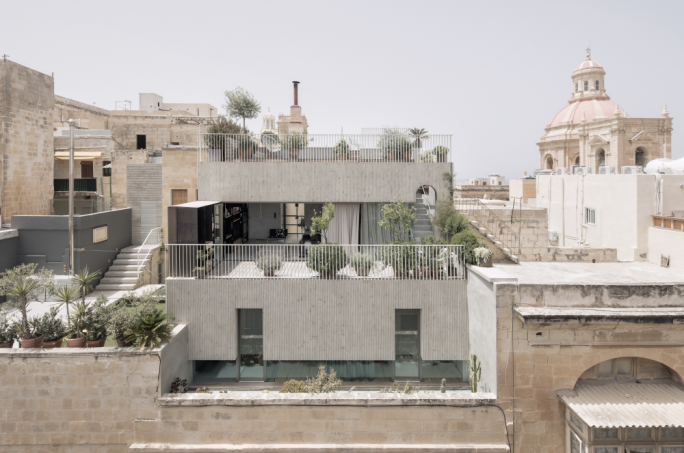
344,227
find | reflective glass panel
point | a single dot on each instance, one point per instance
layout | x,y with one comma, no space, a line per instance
639,433
211,371
605,367
251,345
624,367
679,449
436,370
605,433
672,433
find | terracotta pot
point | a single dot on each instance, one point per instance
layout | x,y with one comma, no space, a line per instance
483,263
76,343
362,272
294,154
97,343
33,343
7,345
123,344
392,156
52,344
246,154
269,273
341,157
200,273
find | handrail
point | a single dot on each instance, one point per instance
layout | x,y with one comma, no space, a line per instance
153,236
508,238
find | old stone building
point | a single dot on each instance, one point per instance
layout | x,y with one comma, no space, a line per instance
296,122
593,131
26,149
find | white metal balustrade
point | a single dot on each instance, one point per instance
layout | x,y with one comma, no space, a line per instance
322,261
392,146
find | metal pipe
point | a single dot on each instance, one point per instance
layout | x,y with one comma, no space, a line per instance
71,196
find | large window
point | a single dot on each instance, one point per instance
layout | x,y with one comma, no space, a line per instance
407,345
251,345
590,216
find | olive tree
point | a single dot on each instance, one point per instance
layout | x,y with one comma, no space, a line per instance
241,104
397,218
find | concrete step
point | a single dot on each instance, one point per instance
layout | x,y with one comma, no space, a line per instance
490,236
116,287
126,273
125,261
137,248
483,230
118,280
123,267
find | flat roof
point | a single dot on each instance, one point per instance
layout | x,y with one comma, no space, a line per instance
592,273
196,204
592,315
659,403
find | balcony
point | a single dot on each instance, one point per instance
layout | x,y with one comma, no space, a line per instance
80,185
273,168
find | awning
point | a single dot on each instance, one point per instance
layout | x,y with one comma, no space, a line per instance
591,315
628,405
109,165
79,155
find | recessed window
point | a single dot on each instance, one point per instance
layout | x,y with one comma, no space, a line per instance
179,196
672,433
590,218
678,449
638,433
623,367
576,421
141,142
576,87
605,433
597,85
586,85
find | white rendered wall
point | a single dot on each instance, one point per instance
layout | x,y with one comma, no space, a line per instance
665,242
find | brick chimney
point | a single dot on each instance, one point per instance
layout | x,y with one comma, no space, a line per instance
296,98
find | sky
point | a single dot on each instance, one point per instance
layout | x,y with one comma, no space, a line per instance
491,74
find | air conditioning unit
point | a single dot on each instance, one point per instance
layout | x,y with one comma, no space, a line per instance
633,170
562,171
553,236
606,170
580,170
543,172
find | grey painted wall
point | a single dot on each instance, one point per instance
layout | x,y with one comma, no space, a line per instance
310,182
44,240
174,359
259,226
313,319
482,326
9,244
143,184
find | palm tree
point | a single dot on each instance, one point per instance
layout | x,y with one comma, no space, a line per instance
82,281
19,290
418,135
66,294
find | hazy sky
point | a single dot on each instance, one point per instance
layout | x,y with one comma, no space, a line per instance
492,74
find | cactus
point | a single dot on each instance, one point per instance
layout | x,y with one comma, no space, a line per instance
442,388
474,372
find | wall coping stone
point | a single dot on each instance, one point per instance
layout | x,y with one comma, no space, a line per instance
7,234
21,353
361,399
316,448
492,274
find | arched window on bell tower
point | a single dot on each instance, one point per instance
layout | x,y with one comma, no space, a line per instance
586,85
597,85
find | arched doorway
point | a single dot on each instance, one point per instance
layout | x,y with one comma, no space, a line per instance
600,158
426,205
549,163
640,156
577,160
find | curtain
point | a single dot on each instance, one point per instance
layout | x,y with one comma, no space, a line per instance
344,227
371,232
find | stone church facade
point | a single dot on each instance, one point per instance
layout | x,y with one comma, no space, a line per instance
592,131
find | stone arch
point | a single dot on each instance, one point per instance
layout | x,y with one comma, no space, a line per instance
574,160
600,158
548,162
641,156
663,356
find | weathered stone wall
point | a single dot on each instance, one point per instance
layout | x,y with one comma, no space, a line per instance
179,171
491,192
26,150
120,160
159,130
529,373
86,116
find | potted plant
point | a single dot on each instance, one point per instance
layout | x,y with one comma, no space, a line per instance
395,146
245,146
96,323
440,152
470,241
418,135
327,259
53,329
362,263
150,329
294,144
401,257
19,290
77,323
342,150
121,321
269,264
7,334
483,256
431,256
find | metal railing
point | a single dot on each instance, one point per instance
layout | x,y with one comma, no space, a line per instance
80,185
502,234
151,242
324,261
392,146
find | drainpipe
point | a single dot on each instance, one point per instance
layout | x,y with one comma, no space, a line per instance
563,208
71,196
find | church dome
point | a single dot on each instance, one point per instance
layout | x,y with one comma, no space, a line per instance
589,109
588,64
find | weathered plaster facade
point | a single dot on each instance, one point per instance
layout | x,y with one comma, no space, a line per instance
179,171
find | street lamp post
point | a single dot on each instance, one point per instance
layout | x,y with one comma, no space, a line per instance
71,196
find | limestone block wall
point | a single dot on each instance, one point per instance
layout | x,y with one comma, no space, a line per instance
26,149
179,172
472,191
86,116
532,364
119,184
159,130
144,187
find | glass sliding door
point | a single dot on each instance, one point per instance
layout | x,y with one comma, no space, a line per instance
251,345
407,365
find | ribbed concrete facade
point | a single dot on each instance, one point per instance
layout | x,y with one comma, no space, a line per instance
311,182
144,192
321,319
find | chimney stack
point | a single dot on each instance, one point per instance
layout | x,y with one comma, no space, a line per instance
296,99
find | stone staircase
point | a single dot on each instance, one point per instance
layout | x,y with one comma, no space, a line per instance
123,274
500,245
422,226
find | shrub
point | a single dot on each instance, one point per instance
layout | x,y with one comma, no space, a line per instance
482,253
324,382
7,332
126,310
430,239
327,259
401,256
342,148
179,386
470,241
202,390
440,150
397,219
394,142
362,262
150,330
456,223
444,210
269,263
397,388
51,326
293,386
97,321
